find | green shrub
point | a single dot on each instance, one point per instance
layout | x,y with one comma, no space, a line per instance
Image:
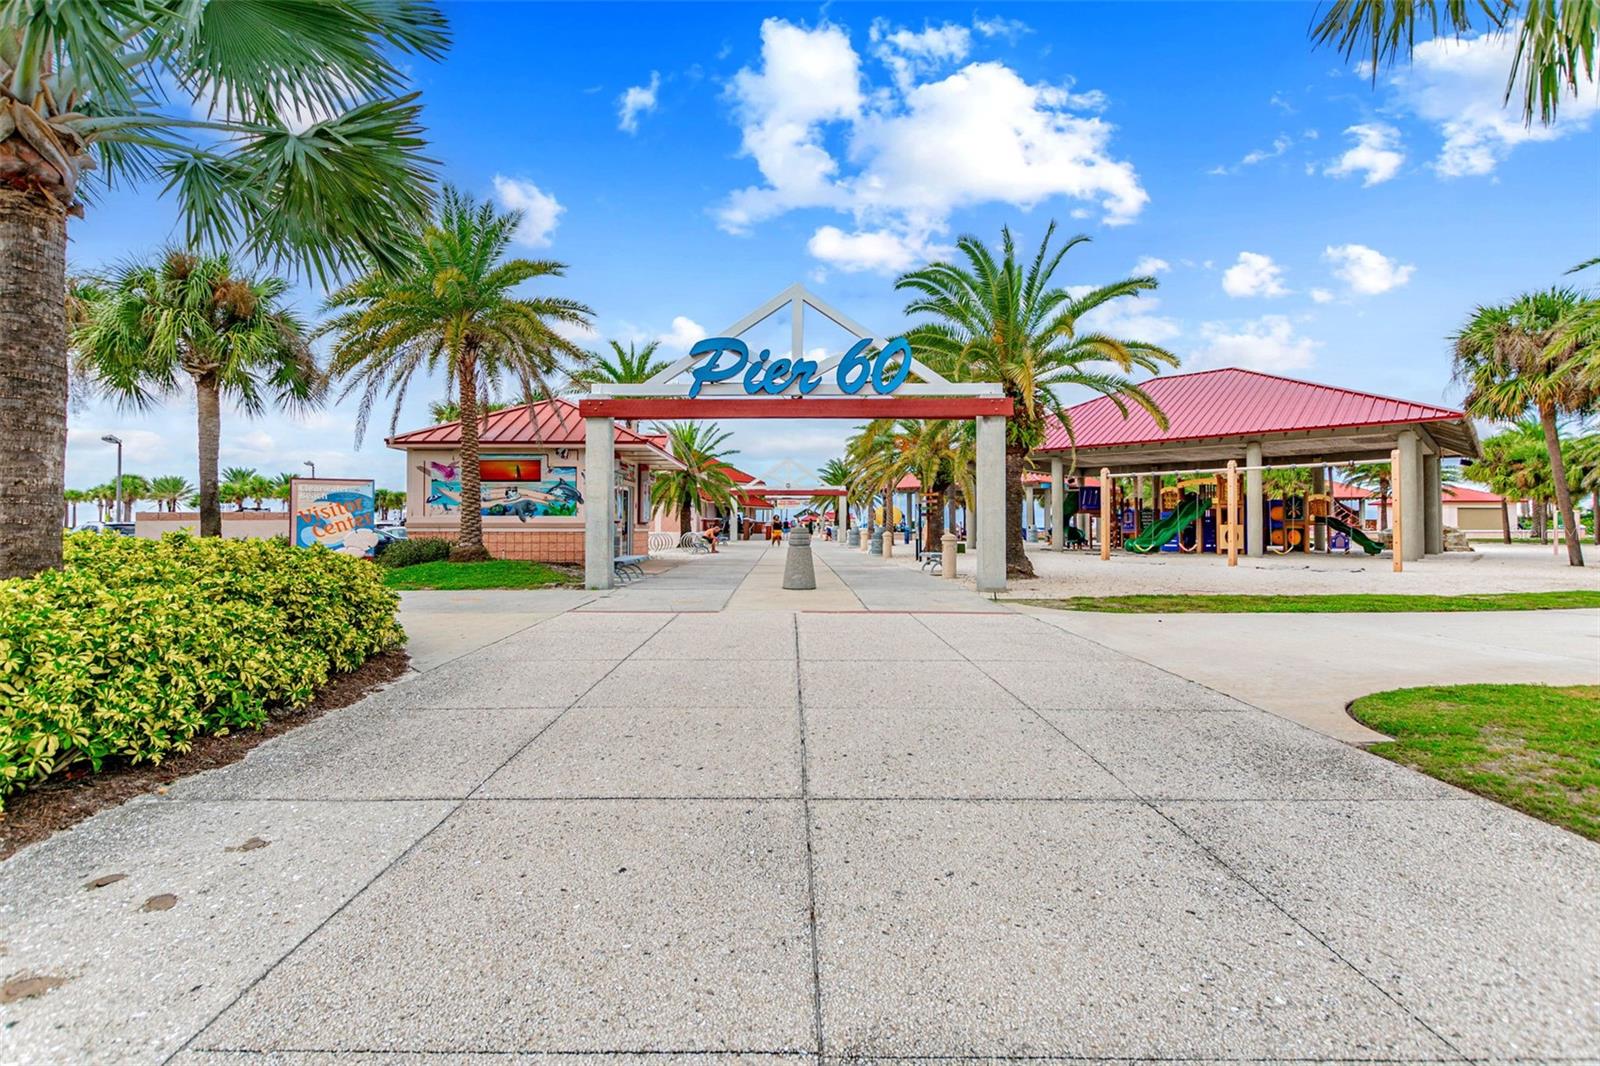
411,552
134,646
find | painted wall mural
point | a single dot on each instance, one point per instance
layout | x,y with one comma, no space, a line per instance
520,486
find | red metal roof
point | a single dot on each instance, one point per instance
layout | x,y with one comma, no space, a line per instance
1231,402
1468,494
551,423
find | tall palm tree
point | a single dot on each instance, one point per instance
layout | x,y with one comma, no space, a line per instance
169,489
73,497
1554,55
452,311
1514,360
703,450
134,488
305,152
194,317
1514,465
992,319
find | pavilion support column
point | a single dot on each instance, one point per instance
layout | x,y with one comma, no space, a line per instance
1058,506
1413,532
1319,485
1027,508
599,497
991,524
1433,505
1255,503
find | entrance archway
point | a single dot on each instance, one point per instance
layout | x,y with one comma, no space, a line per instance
721,379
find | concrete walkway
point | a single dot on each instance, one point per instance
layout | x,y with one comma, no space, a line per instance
642,835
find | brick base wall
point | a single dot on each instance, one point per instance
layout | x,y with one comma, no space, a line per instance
535,545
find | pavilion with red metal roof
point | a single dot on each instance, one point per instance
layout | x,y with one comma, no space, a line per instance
1261,420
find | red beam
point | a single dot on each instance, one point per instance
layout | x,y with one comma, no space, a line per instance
668,408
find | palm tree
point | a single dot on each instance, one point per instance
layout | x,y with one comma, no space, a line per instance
306,153
104,497
452,311
1554,55
279,485
1583,467
703,451
195,317
73,497
239,483
169,489
836,472
619,366
1513,360
134,489
449,411
1513,466
994,320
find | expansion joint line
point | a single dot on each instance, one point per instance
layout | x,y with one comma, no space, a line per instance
811,862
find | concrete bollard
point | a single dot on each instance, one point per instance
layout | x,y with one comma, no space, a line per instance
852,539
875,546
947,563
799,572
888,542
866,539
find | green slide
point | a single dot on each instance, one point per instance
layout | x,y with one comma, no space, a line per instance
1371,546
1153,538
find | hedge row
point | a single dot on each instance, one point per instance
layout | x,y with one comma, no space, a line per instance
134,646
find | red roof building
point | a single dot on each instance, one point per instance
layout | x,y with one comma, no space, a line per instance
1212,414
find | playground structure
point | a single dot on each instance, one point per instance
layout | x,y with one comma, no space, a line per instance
1199,515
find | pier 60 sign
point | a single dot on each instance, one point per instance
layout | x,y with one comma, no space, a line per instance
765,376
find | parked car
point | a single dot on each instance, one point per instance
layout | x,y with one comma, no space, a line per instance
125,528
393,533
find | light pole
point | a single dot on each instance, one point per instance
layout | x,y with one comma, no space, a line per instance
110,438
312,465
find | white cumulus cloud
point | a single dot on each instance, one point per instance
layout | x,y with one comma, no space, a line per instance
900,158
1366,270
1267,343
1458,86
877,250
637,100
1149,266
540,211
1254,274
684,332
1321,296
1376,155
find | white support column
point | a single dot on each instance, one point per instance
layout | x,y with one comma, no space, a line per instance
991,516
1414,533
599,499
1027,509
1433,505
1255,503
1058,506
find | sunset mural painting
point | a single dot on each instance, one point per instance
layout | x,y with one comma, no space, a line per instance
519,486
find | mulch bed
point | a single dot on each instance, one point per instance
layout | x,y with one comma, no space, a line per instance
71,797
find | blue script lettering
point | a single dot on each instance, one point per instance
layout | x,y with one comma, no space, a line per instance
770,376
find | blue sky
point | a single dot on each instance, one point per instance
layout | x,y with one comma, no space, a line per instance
688,161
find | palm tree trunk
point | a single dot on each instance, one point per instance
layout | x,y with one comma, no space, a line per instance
33,381
469,545
1558,474
1505,521
1017,562
933,528
1383,503
1594,507
208,418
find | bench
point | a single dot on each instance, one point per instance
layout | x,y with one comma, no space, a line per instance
934,560
629,567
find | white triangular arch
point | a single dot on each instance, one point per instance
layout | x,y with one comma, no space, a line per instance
797,298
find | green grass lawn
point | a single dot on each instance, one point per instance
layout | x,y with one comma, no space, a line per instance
1337,603
1532,747
494,574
